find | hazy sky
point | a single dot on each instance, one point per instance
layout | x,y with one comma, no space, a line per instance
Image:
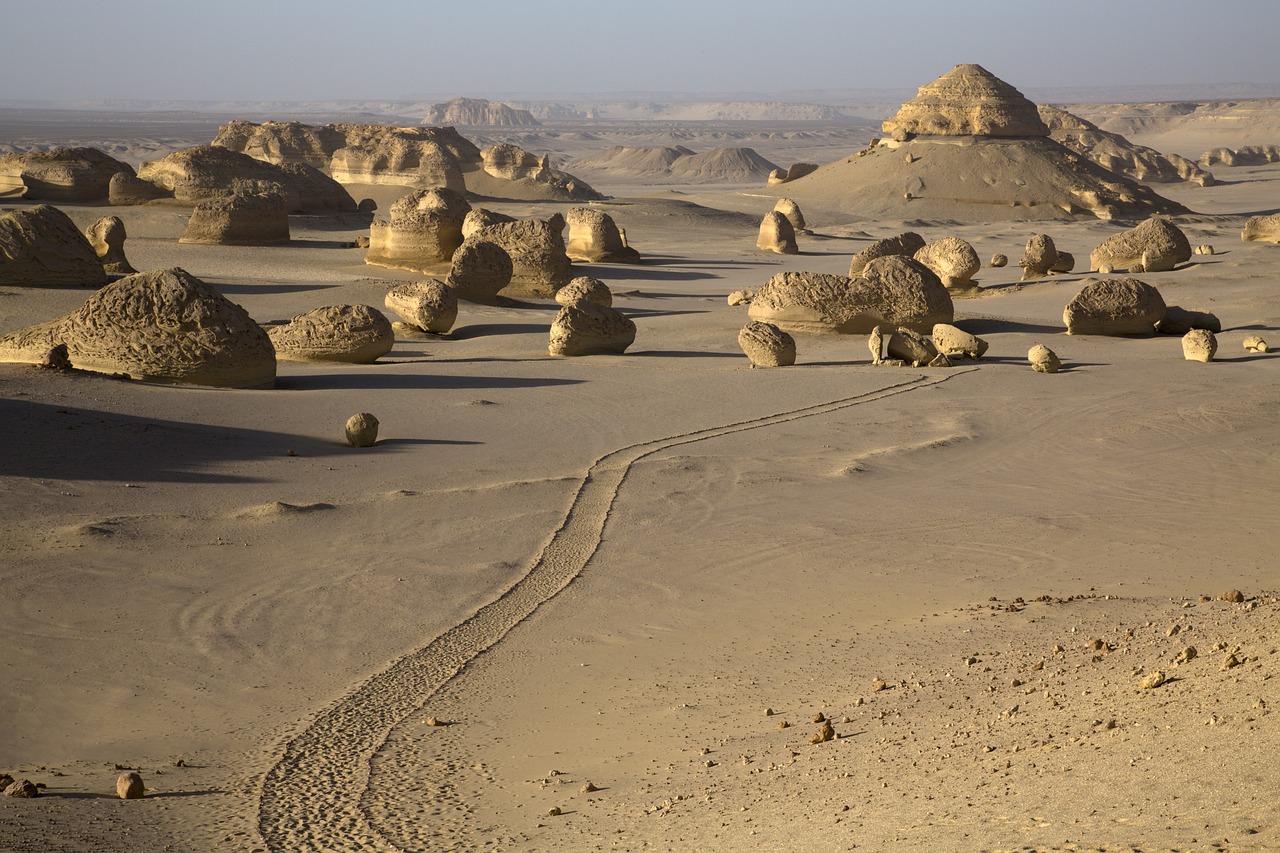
394,49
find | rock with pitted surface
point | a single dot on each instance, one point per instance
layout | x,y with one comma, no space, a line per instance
240,219
766,345
588,288
999,260
362,430
61,174
107,237
953,341
424,231
480,271
41,246
952,260
357,334
1043,359
23,789
907,244
788,208
480,217
540,266
431,306
1262,229
205,172
586,328
1039,256
1114,306
909,347
595,238
1156,244
129,786
966,101
1199,345
1253,343
1178,321
777,235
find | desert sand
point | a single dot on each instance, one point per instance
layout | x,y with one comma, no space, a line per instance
569,604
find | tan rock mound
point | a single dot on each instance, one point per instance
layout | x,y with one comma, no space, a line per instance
1065,263
595,238
907,244
424,231
23,789
797,170
1262,229
952,341
788,208
588,288
1179,321
129,189
1157,244
952,260
107,237
585,328
480,271
161,326
205,172
41,246
999,260
1249,155
777,235
1043,359
357,334
129,786
61,174
539,263
966,101
766,345
1113,152
395,160
1253,343
241,219
431,306
513,166
469,112
1111,306
479,217
909,347
1199,345
893,291
1039,257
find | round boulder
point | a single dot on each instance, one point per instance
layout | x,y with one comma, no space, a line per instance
953,260
41,246
480,270
431,306
586,328
1199,345
999,260
1043,359
1155,244
1262,229
129,786
1111,306
355,334
788,208
588,288
362,430
1039,256
766,345
952,341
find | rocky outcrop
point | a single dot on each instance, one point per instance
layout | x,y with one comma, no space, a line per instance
206,172
1262,229
777,235
1114,307
61,174
539,263
397,161
766,345
588,288
1157,244
355,334
907,244
159,326
952,260
424,231
41,246
966,101
107,237
1249,155
1039,256
1113,152
595,238
480,270
586,328
797,171
429,306
478,112
240,219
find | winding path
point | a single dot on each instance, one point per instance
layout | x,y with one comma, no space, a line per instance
311,798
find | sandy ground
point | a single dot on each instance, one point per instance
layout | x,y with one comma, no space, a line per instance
625,573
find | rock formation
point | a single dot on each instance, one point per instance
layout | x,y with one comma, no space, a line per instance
1253,343
160,326
61,174
41,246
362,430
777,235
1043,359
909,347
788,208
1112,306
1262,229
766,345
480,217
588,288
586,328
107,237
999,260
1249,155
1157,244
1113,152
907,244
129,786
23,789
429,306
1065,263
540,266
1199,345
240,219
797,170
129,189
355,334
478,112
205,172
952,341
1039,256
480,270
595,238
966,101
424,231
952,260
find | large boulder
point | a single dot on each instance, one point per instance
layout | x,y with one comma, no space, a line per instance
966,101
539,263
892,290
431,306
951,341
1155,244
160,326
241,219
205,172
766,345
399,160
1112,306
1039,256
61,174
588,288
595,238
128,189
107,237
41,246
588,328
952,260
480,217
356,334
1262,229
788,208
907,244
424,231
480,270
777,235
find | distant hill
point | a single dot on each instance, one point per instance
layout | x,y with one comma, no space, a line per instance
676,164
478,112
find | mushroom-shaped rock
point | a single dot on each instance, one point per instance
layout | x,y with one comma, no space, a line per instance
952,260
1156,244
1253,343
41,246
911,347
1039,256
362,430
999,260
1043,359
242,219
206,172
788,208
350,333
539,264
588,288
480,217
953,341
163,326
129,786
907,243
424,231
1199,345
1114,306
595,238
431,306
777,235
480,270
23,788
767,345
107,237
1178,321
966,101
587,328
1262,229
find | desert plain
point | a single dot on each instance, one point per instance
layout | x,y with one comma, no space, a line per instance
605,602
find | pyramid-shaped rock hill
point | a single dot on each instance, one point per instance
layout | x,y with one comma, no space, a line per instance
971,147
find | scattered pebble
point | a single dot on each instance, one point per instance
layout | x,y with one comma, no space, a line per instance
589,788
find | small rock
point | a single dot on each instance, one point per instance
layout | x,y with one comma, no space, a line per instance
826,733
768,712
1043,359
589,788
129,786
22,788
435,722
741,297
999,260
954,341
878,685
1253,343
1152,680
1199,345
362,430
362,242
56,358
783,725
1205,249
554,811
819,717
1187,654
1231,661
1234,596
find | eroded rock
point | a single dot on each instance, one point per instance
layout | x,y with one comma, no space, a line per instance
356,334
777,235
586,328
766,345
107,237
588,288
41,246
595,238
431,306
1199,345
1112,306
953,260
242,219
1155,244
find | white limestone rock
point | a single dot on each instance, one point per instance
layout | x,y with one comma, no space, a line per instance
1111,306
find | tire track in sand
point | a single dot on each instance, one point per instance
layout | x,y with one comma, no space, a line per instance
311,798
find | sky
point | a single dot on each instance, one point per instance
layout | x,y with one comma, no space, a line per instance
289,50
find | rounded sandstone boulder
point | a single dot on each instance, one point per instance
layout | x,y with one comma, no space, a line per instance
356,334
129,786
1111,306
1039,256
362,430
953,341
431,306
586,328
777,235
595,238
588,288
953,260
1155,244
766,345
788,208
40,246
480,270
998,260
1262,229
1043,359
1199,345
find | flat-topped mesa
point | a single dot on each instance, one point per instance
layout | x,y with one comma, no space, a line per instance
966,101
